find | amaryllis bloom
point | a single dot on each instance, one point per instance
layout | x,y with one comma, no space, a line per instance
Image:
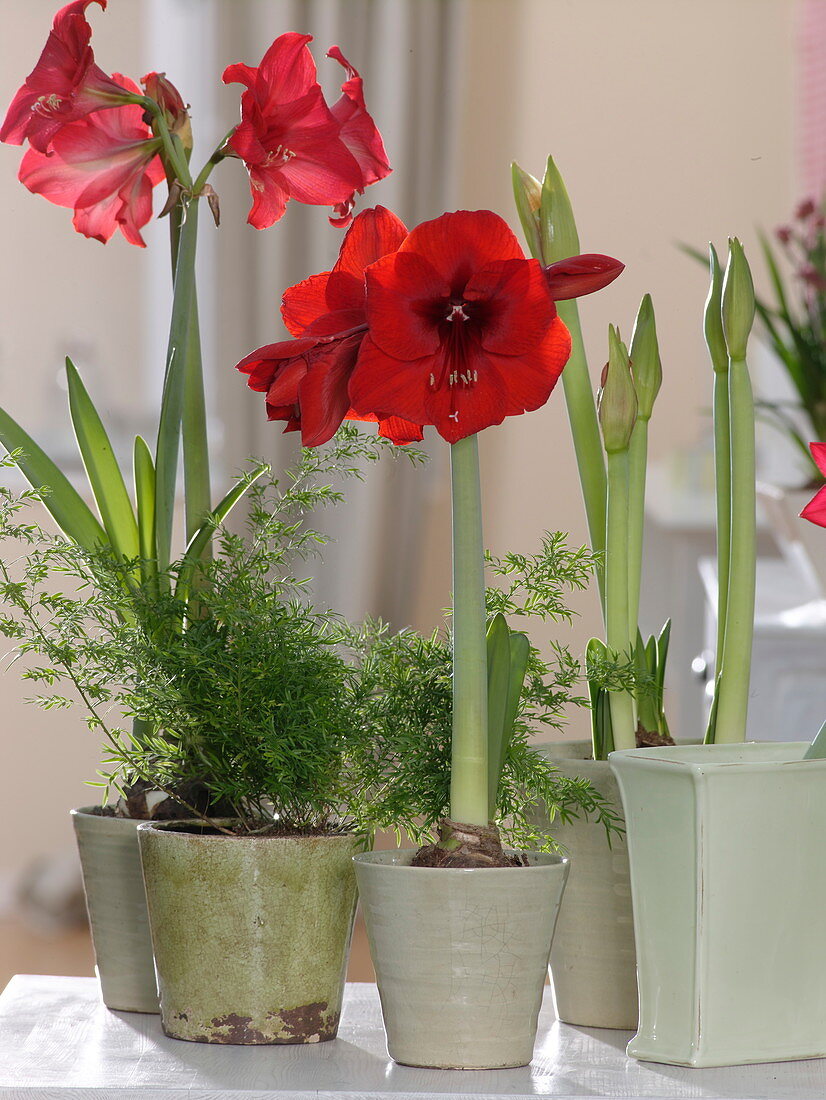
359,134
306,379
64,85
103,166
292,144
815,510
462,329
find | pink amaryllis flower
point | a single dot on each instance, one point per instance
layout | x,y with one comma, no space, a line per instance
292,144
462,329
815,510
306,379
103,166
64,85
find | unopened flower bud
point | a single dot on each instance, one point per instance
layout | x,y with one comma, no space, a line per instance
557,226
169,99
646,365
738,300
527,191
617,397
713,318
580,275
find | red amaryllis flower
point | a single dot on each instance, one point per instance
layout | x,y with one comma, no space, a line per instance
288,137
359,134
64,85
815,510
463,331
306,379
104,166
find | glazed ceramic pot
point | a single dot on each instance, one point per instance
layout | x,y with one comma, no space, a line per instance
116,903
251,933
729,889
593,960
460,956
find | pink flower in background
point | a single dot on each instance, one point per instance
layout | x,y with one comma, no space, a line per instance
64,85
815,510
103,166
293,144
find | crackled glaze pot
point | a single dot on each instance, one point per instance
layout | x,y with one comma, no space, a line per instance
729,887
251,934
460,956
593,960
116,903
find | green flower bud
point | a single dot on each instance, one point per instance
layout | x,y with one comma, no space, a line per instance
557,226
527,191
617,397
646,365
713,319
738,300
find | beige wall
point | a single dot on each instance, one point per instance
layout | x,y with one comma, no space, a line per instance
670,121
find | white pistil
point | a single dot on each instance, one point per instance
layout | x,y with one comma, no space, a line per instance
453,416
45,104
457,309
432,380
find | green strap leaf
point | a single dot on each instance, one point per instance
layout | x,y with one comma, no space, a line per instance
144,474
102,470
602,730
67,507
499,662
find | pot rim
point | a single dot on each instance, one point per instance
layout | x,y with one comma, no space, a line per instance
549,860
743,756
177,828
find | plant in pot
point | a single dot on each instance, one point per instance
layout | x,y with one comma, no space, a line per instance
99,145
249,701
455,329
730,961
593,962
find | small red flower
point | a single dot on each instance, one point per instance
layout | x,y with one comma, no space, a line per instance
64,85
359,133
815,510
306,379
463,331
104,166
291,142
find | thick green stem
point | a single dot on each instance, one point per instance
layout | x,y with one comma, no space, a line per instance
735,664
174,390
616,594
637,462
582,415
722,474
469,762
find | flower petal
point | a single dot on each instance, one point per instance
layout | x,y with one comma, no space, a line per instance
358,131
517,306
305,302
323,397
460,243
385,386
819,455
262,363
401,291
815,510
374,233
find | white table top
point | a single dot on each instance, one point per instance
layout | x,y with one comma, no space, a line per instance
58,1041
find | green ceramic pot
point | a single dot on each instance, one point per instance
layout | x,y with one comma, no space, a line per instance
251,934
461,956
593,961
729,888
111,866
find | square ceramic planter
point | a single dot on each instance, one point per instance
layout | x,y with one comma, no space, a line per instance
461,956
727,847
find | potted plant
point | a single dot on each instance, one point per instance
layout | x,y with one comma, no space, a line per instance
593,962
448,325
99,144
711,876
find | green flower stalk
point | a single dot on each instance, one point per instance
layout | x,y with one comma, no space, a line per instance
551,235
647,372
734,661
469,801
617,416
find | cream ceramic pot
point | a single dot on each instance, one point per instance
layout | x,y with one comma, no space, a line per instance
116,903
728,880
251,934
593,960
460,956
